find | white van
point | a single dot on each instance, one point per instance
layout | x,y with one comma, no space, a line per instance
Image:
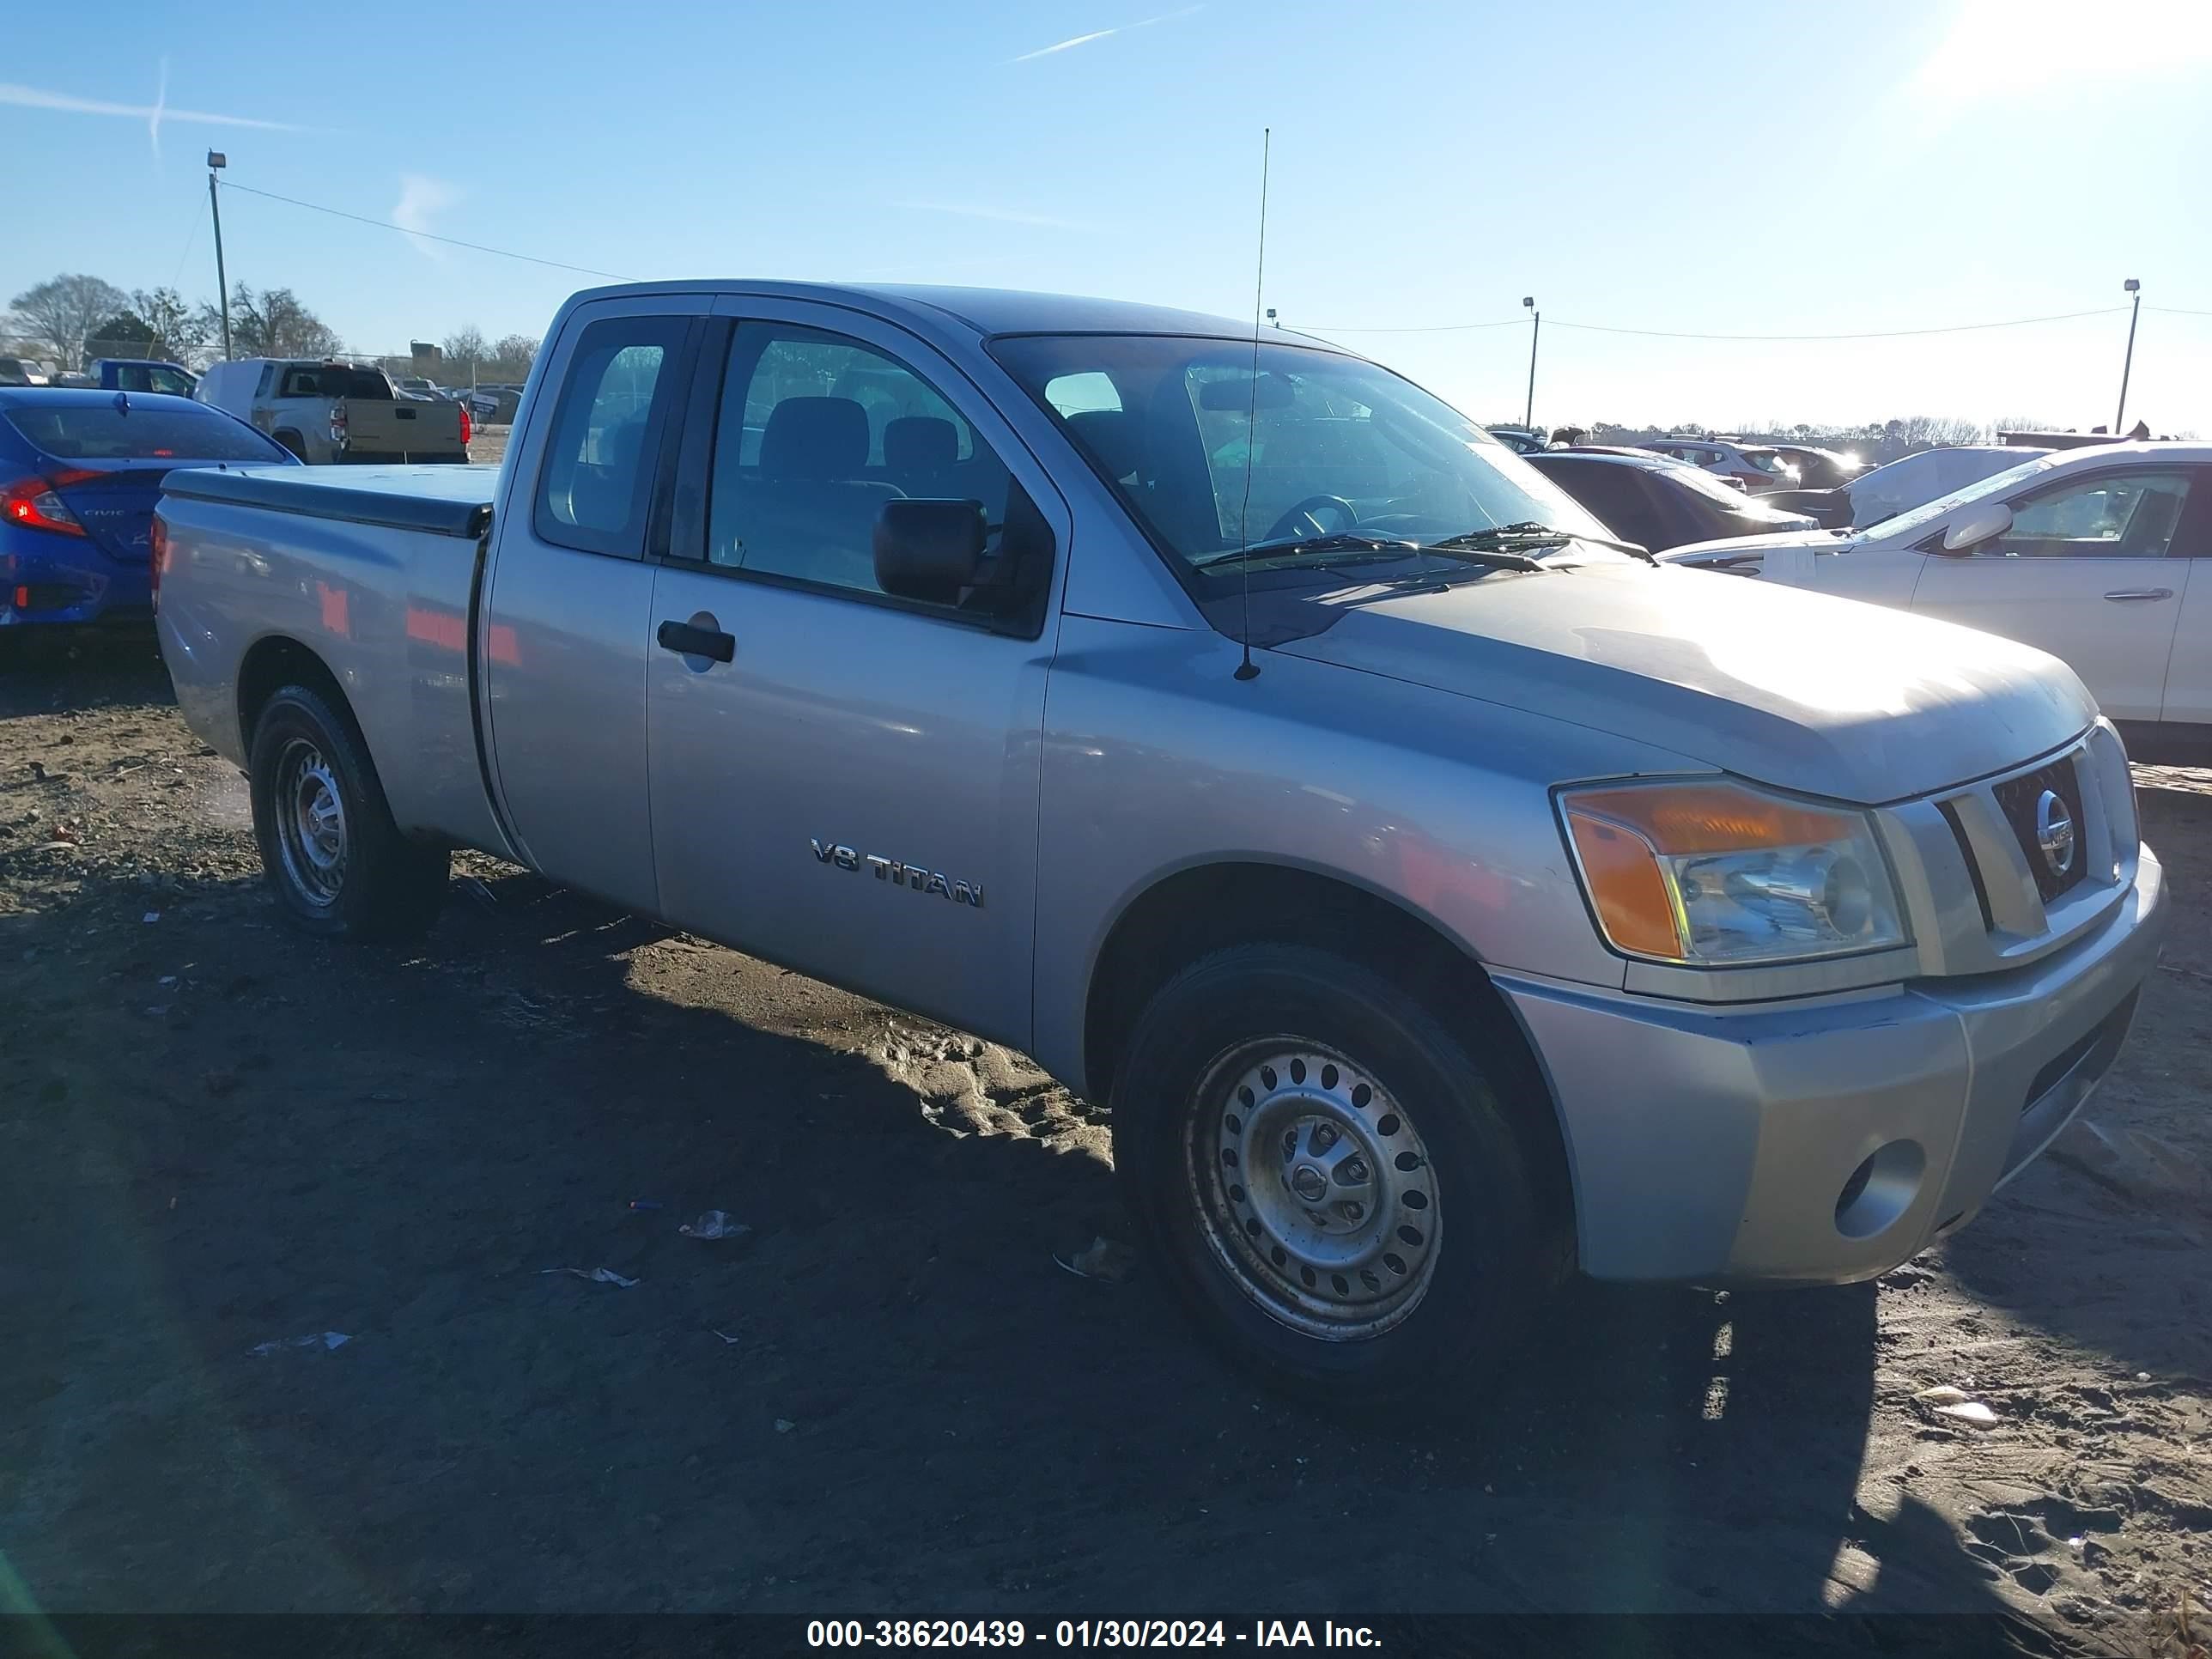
1916,480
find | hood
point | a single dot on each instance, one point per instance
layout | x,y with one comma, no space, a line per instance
1733,548
1822,695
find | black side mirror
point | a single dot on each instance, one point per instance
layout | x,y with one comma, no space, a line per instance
930,551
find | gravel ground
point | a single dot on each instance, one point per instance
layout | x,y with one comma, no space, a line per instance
886,1398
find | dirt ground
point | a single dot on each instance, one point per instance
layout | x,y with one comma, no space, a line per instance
887,1400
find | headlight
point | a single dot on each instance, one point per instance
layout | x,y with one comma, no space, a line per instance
1714,874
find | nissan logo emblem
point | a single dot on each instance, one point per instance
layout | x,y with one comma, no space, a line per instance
2054,832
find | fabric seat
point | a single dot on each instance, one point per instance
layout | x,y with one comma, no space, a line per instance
812,512
919,452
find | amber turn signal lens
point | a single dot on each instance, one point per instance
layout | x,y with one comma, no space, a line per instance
1717,817
1635,904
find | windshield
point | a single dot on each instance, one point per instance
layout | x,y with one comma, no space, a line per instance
1904,524
101,432
1334,444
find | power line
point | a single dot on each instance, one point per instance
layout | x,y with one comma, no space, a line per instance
2179,311
1670,334
451,241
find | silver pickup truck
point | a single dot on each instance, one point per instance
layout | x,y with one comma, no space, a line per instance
1444,897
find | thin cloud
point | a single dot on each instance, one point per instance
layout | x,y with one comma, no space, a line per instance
160,109
419,198
38,98
997,216
1073,41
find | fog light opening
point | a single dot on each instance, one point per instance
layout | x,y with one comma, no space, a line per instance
1881,1189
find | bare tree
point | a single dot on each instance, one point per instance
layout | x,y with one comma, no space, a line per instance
273,323
61,313
177,330
464,352
510,358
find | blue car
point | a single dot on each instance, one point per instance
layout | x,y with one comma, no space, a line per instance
80,476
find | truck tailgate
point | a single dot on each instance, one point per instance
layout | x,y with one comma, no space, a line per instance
398,430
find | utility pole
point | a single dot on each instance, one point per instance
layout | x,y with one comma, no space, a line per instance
1536,328
217,160
2129,362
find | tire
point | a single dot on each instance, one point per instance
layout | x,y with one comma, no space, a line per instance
1407,1106
339,867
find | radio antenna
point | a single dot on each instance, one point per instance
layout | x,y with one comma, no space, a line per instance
1247,669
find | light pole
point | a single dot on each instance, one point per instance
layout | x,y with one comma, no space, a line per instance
2129,361
1536,328
216,161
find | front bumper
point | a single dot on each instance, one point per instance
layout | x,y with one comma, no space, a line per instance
1719,1145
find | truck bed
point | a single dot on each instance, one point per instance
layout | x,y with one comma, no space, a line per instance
440,501
371,569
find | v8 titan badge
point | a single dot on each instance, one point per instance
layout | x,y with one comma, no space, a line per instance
914,876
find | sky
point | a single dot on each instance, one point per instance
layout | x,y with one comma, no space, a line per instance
1771,169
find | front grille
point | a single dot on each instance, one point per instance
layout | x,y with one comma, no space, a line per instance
2017,799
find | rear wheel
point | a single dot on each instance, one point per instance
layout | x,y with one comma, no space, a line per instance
1328,1175
339,866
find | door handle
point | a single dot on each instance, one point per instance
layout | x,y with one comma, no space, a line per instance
2127,595
688,640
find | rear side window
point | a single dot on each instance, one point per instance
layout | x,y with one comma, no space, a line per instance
101,432
595,487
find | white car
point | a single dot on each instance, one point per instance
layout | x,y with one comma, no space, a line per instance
2090,553
1753,467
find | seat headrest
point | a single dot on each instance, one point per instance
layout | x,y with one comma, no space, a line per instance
815,438
920,443
1113,435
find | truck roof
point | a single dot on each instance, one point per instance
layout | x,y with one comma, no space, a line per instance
982,310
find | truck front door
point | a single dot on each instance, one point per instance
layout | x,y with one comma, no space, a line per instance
844,781
568,600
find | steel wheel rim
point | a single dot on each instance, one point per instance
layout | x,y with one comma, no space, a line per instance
1314,1190
311,824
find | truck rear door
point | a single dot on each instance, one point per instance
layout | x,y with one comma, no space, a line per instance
844,781
566,622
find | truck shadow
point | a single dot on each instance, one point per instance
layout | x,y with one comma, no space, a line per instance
43,671
886,1395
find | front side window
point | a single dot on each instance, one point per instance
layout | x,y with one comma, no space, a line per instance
815,432
1180,426
596,484
2121,515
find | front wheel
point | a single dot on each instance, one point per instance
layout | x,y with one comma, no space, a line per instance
1330,1177
339,866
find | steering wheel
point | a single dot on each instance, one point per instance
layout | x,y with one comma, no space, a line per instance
1303,512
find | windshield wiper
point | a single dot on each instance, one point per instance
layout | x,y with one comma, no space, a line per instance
1529,530
1337,541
